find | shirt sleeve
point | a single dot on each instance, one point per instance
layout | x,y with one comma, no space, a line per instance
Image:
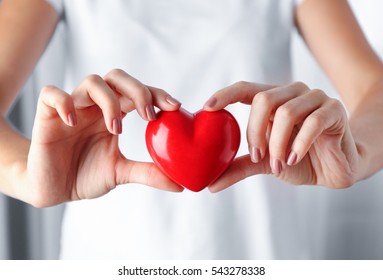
57,5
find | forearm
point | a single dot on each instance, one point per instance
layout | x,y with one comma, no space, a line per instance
14,152
366,126
25,30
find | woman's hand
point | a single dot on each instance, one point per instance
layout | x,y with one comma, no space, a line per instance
300,135
74,152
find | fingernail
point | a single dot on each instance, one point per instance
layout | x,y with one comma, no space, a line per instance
117,126
151,114
211,102
292,158
72,119
171,100
276,166
255,154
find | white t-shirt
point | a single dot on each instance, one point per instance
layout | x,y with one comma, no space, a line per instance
190,48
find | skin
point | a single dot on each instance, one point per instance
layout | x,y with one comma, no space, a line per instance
299,134
73,153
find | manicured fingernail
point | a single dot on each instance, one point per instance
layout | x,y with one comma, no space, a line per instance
151,114
171,100
292,158
72,119
276,166
211,102
255,154
117,126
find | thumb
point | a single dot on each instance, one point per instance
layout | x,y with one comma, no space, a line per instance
241,168
128,171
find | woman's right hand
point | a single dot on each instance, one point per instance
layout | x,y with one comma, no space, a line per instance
74,151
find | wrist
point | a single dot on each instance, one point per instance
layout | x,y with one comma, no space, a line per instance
361,161
14,180
365,162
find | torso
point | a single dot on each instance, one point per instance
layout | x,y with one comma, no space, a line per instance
190,48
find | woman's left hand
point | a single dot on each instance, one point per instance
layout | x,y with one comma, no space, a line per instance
299,134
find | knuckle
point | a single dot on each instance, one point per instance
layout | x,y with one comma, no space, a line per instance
263,99
286,112
335,104
140,92
109,102
315,121
161,92
299,85
93,79
112,103
55,97
318,93
116,72
47,89
344,182
241,84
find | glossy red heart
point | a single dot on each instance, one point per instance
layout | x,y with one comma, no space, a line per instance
193,149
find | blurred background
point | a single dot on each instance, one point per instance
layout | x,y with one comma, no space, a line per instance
348,223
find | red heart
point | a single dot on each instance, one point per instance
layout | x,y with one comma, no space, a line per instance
193,149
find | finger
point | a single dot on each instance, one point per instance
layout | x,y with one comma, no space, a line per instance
263,107
329,118
164,100
55,102
238,92
161,99
288,115
144,173
131,88
241,168
95,91
138,93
